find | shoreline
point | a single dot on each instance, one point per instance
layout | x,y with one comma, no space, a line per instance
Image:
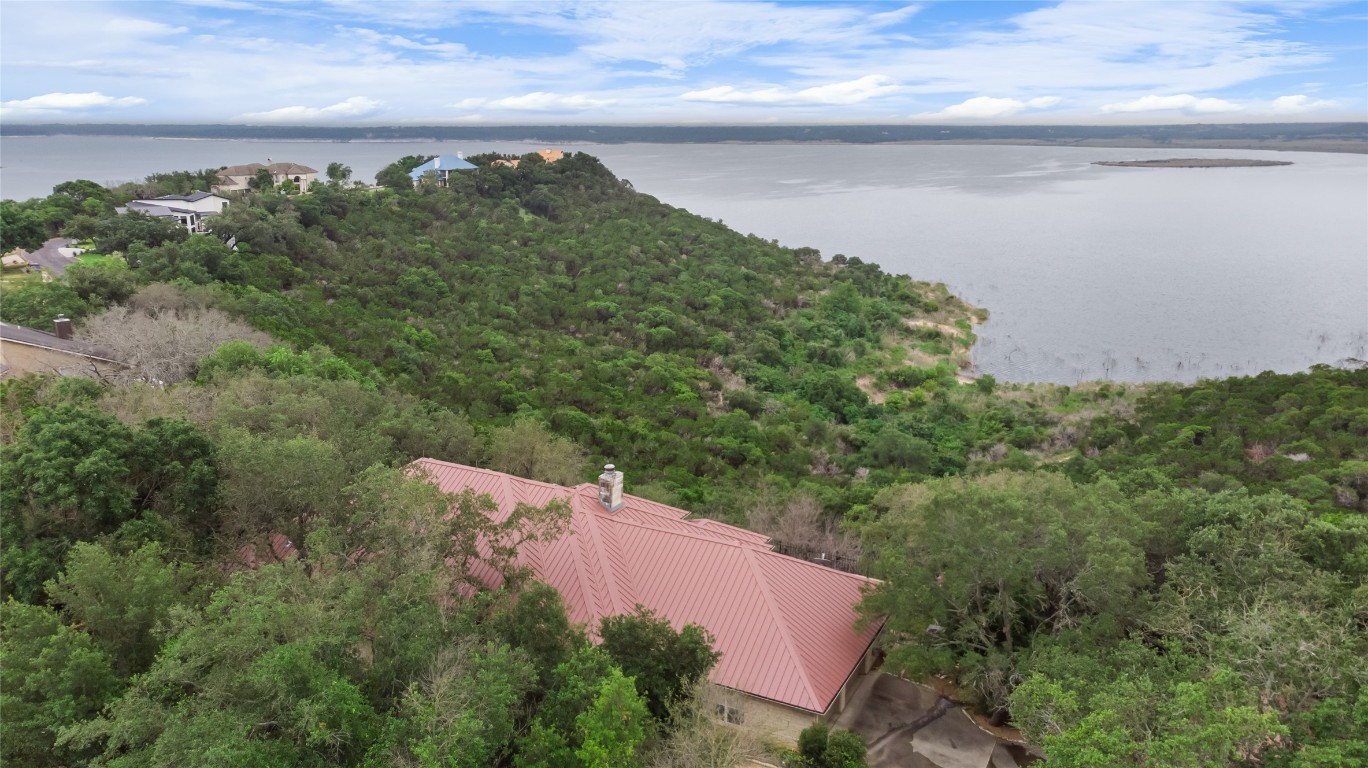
1192,162
1329,147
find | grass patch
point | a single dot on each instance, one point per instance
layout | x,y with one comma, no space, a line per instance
98,259
20,277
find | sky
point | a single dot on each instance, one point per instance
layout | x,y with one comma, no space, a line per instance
393,62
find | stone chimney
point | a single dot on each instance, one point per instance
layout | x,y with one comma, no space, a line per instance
62,325
610,488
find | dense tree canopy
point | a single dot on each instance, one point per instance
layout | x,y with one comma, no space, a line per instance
224,562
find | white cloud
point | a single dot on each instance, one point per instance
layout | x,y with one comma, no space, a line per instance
675,35
62,102
984,106
431,46
989,107
832,94
1182,102
356,106
537,101
696,61
1083,51
130,27
1296,105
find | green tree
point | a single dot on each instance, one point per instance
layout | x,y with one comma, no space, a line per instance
82,190
554,735
197,259
100,285
258,677
975,568
286,485
1170,712
119,233
36,305
65,479
22,225
534,621
665,664
262,180
51,676
464,714
821,747
613,727
396,174
338,174
528,449
121,599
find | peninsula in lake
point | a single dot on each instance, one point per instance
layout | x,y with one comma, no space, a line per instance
1192,162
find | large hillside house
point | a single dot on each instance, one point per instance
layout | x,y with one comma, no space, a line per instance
234,178
190,211
786,627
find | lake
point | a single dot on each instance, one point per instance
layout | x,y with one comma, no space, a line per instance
1090,272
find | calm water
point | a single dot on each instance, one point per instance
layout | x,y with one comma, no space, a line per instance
1089,272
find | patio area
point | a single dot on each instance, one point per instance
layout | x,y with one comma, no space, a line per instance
891,714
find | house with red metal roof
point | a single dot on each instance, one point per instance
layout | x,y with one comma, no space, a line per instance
786,628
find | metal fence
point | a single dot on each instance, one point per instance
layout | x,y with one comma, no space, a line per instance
839,562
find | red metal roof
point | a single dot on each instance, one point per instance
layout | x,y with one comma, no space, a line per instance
785,626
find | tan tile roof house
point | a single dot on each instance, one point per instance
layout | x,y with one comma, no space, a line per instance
786,627
234,178
549,155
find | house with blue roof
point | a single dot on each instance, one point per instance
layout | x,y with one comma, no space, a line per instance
441,165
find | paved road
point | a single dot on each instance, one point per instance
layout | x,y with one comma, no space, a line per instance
55,255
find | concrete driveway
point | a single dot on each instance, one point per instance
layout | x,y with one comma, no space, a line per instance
884,711
55,255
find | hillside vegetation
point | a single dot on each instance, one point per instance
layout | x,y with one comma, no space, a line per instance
1134,576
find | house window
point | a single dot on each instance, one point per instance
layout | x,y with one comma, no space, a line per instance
732,715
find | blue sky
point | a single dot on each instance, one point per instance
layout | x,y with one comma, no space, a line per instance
379,62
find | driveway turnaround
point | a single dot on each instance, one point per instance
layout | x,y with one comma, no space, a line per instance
55,255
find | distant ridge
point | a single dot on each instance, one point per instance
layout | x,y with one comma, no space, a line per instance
1325,137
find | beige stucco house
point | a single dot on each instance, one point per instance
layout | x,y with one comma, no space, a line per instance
234,178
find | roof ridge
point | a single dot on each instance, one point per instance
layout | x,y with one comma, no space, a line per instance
782,625
609,577
729,540
482,470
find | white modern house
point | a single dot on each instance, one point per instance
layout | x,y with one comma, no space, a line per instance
189,211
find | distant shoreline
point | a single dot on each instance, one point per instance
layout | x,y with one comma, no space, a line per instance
1192,162
1333,147
1350,137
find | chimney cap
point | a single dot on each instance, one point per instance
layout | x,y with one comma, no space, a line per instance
607,467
